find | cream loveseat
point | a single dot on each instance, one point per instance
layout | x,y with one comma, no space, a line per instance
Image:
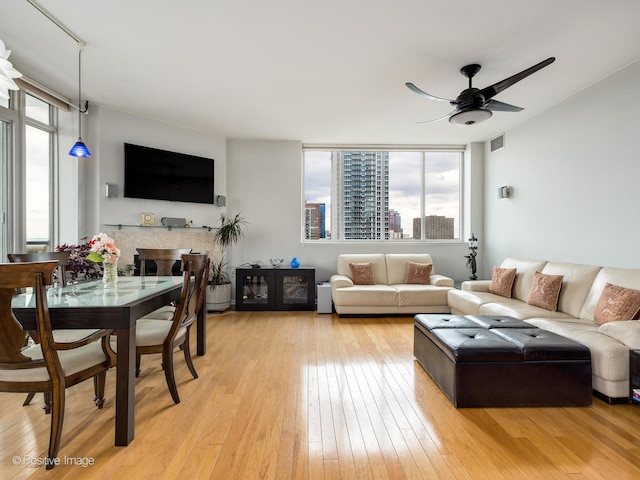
390,294
582,287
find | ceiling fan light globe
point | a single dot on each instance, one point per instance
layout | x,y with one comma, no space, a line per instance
470,117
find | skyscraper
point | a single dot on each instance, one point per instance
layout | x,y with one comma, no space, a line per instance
314,221
435,227
361,194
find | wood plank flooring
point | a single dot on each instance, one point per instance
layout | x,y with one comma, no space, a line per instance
297,395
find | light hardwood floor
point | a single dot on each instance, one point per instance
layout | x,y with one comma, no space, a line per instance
308,396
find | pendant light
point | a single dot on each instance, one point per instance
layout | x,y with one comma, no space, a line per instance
7,72
79,149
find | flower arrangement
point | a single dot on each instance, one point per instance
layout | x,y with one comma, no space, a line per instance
103,249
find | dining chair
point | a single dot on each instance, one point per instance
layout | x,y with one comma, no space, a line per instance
164,259
50,366
162,336
59,273
61,257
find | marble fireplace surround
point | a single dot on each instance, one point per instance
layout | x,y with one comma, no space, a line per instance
128,239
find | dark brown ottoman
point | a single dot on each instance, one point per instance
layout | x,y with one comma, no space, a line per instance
485,361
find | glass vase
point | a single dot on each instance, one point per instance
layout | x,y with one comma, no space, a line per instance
109,275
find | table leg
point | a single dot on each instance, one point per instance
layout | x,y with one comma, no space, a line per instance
125,385
201,329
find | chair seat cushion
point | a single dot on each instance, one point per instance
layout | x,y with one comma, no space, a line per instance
163,313
154,332
72,361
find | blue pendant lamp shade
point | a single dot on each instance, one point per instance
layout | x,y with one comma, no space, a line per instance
79,149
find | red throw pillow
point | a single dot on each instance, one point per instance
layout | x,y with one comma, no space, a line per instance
545,291
362,274
502,281
617,303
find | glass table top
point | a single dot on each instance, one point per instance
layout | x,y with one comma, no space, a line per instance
93,294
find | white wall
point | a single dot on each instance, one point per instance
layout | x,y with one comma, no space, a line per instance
265,184
107,132
574,171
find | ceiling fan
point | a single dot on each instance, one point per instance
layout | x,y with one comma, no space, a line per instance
474,105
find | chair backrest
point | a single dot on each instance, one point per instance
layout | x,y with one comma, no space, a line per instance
195,268
163,257
16,276
61,257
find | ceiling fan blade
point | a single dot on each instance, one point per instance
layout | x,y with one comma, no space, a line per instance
496,88
415,89
437,119
498,106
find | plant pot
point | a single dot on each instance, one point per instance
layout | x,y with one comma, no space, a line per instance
218,297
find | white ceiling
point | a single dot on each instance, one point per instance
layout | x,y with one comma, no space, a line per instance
330,71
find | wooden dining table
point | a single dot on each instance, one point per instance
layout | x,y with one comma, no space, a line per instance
89,305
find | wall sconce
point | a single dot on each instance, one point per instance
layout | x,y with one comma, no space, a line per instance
504,192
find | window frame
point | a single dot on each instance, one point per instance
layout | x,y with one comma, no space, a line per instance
460,149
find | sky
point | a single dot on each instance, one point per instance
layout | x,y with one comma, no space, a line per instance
405,183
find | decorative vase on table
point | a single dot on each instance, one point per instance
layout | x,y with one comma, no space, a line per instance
102,249
295,263
109,274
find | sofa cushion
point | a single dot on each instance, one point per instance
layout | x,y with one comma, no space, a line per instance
421,295
362,273
377,260
617,303
623,277
525,270
397,265
545,291
368,295
502,281
576,281
418,273
516,308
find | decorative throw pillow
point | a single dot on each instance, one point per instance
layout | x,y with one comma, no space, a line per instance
617,303
545,291
362,274
419,273
502,281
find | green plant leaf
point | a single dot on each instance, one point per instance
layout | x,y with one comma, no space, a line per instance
94,257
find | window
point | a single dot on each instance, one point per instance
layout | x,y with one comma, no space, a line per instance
29,138
382,194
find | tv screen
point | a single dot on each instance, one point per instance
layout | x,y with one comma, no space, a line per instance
162,175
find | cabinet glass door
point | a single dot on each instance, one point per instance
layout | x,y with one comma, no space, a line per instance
256,290
295,289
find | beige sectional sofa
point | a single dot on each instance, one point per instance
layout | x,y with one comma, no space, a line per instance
390,294
582,286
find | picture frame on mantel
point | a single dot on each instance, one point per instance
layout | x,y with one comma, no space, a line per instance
148,220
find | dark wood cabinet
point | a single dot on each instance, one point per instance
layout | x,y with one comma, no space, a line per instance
634,376
275,289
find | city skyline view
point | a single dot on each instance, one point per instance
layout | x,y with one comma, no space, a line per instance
405,184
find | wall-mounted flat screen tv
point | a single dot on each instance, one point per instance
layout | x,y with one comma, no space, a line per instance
162,175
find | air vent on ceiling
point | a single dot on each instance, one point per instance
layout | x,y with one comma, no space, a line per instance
497,143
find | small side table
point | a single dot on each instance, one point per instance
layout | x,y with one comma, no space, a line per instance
634,376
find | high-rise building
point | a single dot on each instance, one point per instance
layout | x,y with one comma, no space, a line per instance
435,227
361,195
314,221
395,224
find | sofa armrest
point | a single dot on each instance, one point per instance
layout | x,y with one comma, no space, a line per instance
476,285
441,281
625,331
340,281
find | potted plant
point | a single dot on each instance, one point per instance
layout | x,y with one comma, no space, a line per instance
231,230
